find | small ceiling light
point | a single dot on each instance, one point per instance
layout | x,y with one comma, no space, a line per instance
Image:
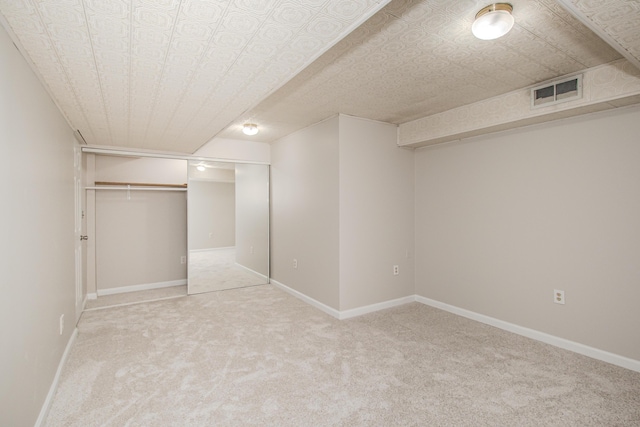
201,168
250,129
493,21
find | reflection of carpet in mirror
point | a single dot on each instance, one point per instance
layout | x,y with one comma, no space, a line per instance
216,270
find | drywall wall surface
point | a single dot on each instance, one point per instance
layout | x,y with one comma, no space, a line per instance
252,217
212,214
236,149
304,212
376,214
140,170
503,220
151,224
37,245
140,237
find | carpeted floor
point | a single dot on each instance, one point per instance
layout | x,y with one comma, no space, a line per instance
216,270
257,356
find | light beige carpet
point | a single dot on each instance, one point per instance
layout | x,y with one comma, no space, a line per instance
257,356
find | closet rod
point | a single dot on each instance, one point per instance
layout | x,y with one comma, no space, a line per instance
139,184
106,187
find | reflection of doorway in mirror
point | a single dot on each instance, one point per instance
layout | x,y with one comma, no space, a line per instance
217,270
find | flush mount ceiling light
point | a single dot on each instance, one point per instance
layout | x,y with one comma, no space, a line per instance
250,129
201,168
493,21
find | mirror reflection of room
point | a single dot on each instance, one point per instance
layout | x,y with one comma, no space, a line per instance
227,226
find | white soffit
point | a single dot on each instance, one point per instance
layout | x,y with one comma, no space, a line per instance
607,86
170,74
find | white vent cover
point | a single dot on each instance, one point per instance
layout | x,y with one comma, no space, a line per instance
559,91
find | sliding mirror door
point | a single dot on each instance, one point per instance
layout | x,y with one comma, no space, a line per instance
228,225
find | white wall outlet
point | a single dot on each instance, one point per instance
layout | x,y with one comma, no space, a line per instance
396,270
558,296
183,259
295,263
61,324
250,249
211,235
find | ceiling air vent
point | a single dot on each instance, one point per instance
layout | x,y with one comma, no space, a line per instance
559,91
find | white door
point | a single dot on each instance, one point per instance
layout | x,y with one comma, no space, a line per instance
77,181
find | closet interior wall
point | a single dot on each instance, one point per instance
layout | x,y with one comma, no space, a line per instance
140,234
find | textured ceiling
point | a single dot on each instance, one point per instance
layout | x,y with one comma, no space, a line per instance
171,74
616,21
417,58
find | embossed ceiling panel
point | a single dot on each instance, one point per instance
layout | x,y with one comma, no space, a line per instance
616,21
170,74
416,58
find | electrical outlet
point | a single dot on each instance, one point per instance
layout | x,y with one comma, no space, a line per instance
396,270
211,235
61,324
558,296
250,249
295,263
183,259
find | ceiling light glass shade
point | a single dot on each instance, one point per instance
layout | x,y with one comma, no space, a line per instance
250,129
200,168
493,21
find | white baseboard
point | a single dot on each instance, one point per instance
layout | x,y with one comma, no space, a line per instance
585,350
142,287
92,295
312,302
347,314
255,273
44,411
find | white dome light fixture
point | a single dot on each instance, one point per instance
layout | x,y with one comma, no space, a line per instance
493,21
201,168
250,129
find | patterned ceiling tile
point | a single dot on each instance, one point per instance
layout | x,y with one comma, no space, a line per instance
171,74
423,60
616,21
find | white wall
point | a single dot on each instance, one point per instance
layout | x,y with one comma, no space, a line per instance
37,245
305,211
376,214
236,149
252,217
212,214
504,219
151,225
139,241
342,205
140,170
